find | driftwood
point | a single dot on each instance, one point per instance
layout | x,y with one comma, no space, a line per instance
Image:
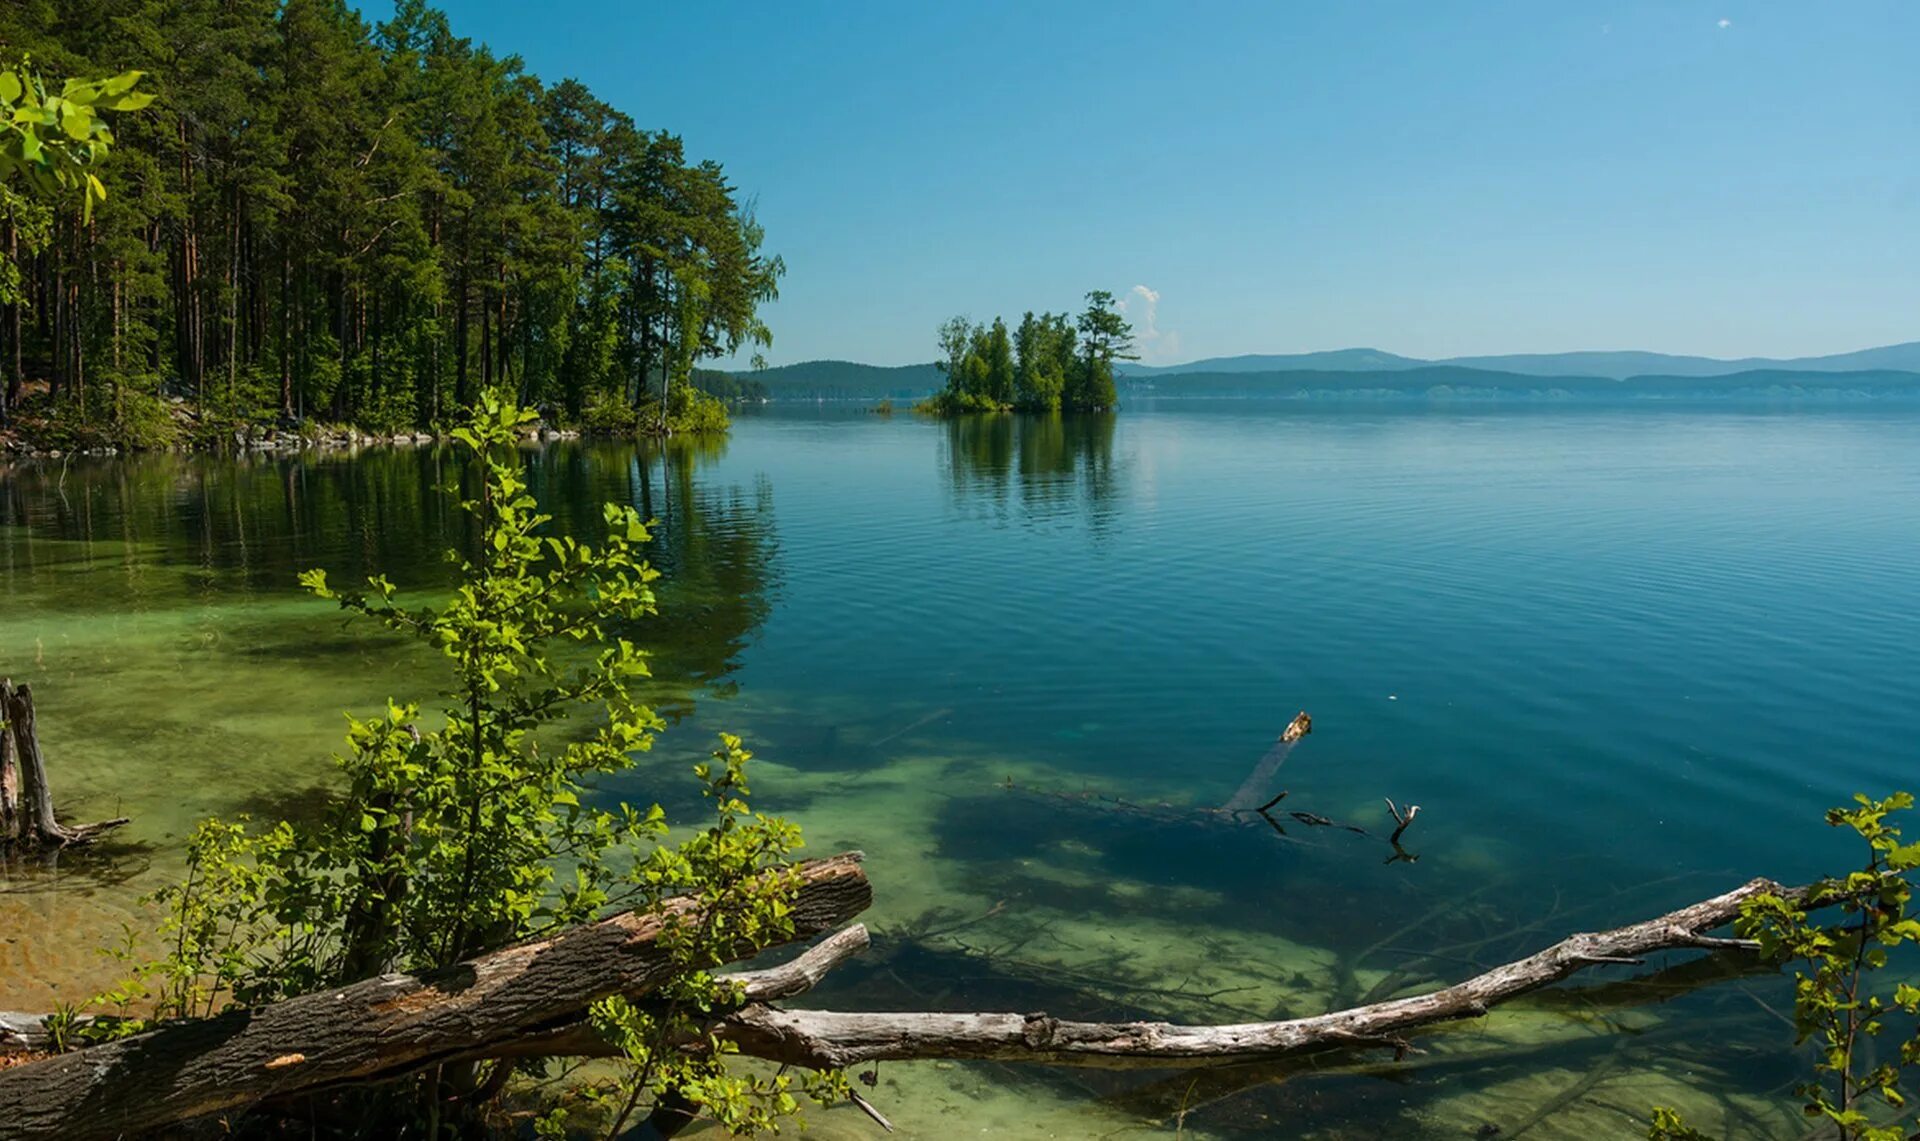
26,798
825,1039
383,1027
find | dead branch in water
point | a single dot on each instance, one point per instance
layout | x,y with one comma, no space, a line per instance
1254,787
26,798
828,1039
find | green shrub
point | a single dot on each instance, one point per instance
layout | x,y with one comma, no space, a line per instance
1855,1089
460,837
609,414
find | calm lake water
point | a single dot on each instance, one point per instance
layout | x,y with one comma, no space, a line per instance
1622,659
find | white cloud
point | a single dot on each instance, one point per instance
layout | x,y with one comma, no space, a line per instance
1724,23
1142,305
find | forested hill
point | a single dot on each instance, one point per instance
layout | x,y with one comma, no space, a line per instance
846,380
366,219
1612,365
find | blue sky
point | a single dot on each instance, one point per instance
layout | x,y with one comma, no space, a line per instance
1433,179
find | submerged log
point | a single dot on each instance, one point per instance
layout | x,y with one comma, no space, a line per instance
26,796
1253,790
380,1028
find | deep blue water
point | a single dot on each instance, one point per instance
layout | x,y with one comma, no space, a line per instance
1649,641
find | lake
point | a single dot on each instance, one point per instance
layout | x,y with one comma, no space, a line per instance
1622,658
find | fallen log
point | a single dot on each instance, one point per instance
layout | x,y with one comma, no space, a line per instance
26,796
370,1030
830,1039
821,1039
529,1001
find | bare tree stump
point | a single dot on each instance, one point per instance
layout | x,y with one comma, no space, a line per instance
26,799
9,770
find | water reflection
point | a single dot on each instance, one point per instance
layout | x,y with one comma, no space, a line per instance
1036,468
245,526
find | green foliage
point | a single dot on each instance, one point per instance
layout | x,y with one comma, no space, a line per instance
609,415
688,411
456,839
136,420
30,222
1049,363
691,411
1668,1126
1105,337
1856,1090
378,220
54,142
744,886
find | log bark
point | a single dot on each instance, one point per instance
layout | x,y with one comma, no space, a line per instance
9,770
529,1001
374,1029
32,820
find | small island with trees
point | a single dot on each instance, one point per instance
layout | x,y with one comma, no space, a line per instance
1052,362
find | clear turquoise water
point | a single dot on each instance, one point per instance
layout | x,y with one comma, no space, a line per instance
1623,659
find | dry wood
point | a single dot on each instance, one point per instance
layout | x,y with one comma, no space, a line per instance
576,1038
26,796
9,771
373,1029
1253,789
831,1039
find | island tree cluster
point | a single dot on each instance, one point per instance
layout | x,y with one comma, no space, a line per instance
323,216
1052,361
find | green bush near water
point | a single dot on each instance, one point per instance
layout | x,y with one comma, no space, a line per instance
465,832
1858,1092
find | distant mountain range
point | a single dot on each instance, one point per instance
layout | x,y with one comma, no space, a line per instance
1446,380
1614,365
1878,370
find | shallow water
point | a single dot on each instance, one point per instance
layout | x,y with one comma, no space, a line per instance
1621,658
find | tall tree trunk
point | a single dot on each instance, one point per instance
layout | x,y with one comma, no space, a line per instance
233,303
462,394
10,393
486,348
286,338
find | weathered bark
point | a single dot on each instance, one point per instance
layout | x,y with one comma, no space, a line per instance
371,1030
576,1038
32,821
9,771
529,1001
828,1039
